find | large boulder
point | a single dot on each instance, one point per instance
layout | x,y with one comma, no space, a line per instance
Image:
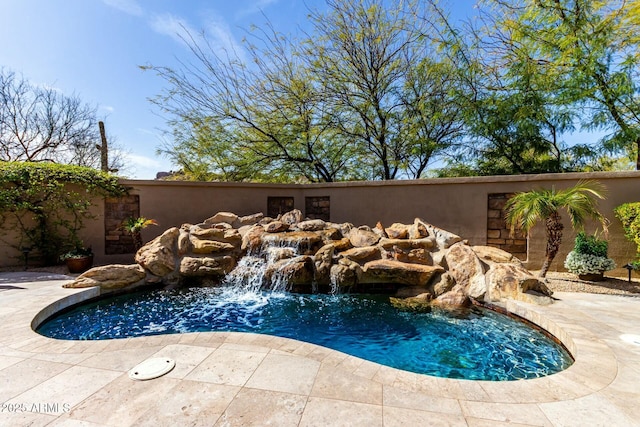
388,271
423,243
292,217
362,237
294,271
224,217
206,266
426,261
159,255
417,230
397,231
411,256
513,281
110,277
489,254
362,254
252,239
444,238
251,219
456,297
311,225
442,283
276,227
419,303
344,276
323,260
304,241
184,241
210,246
466,269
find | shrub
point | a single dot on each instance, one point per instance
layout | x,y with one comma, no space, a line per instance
629,215
589,256
590,245
578,263
48,203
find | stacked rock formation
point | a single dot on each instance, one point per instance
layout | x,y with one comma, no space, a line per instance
422,263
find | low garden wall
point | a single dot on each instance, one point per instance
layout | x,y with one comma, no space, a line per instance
470,207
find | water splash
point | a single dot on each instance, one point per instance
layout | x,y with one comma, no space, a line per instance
265,268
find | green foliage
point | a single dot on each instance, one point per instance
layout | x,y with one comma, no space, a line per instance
48,203
590,245
629,215
589,256
135,225
365,96
584,263
526,209
77,252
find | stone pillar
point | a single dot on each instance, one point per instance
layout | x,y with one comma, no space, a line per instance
497,230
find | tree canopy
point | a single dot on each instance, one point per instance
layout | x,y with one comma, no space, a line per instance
390,90
41,124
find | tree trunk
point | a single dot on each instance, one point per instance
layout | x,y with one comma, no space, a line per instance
137,240
554,237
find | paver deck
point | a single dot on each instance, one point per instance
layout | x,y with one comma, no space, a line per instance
239,379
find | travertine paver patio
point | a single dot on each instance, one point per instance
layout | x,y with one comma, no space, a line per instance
232,379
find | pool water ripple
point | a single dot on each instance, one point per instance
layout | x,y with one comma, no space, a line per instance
475,344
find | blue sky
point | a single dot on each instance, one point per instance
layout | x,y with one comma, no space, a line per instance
93,48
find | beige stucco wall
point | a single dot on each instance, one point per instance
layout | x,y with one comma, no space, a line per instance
455,204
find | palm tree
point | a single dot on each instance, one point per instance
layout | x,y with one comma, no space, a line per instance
134,226
525,209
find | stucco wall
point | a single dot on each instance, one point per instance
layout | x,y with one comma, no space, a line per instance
455,204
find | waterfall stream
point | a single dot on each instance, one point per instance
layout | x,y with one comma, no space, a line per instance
264,268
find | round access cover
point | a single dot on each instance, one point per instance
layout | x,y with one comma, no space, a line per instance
152,368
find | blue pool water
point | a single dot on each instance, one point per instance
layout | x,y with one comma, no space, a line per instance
476,344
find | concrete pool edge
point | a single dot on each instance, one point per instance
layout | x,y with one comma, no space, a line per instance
576,381
91,377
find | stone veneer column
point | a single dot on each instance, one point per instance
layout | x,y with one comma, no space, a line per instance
497,231
318,207
116,210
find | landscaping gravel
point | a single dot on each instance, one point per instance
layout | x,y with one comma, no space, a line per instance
567,282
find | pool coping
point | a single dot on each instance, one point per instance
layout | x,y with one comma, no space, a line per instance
596,366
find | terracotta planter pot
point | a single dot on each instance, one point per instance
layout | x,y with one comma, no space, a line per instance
79,264
592,277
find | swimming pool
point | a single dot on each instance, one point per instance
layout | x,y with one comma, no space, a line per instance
472,344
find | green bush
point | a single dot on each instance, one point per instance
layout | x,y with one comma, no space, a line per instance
590,245
48,203
629,215
589,256
585,263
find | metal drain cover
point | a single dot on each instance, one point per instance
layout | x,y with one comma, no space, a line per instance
152,368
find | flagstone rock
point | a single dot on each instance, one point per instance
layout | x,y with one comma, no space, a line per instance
466,269
388,271
110,277
421,263
362,237
159,255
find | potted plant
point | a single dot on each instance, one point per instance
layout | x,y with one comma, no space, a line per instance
79,259
588,259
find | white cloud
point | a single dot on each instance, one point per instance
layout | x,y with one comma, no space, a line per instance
221,37
256,6
143,167
173,26
107,108
217,32
130,7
